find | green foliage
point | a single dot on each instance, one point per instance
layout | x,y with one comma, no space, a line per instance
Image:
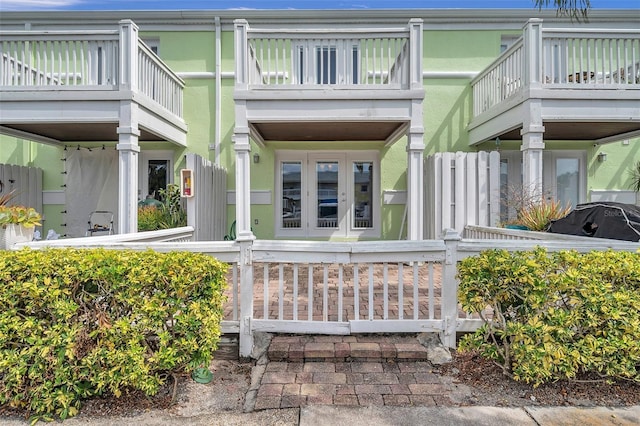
78,323
19,215
555,315
150,218
537,215
167,214
575,9
634,172
6,198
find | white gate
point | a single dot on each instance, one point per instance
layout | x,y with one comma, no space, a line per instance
461,188
207,209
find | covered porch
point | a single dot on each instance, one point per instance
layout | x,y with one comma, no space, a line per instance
68,87
345,85
559,84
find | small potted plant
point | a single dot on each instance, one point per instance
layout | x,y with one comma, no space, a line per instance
17,224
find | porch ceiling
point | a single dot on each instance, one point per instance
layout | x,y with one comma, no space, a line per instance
327,131
79,132
592,130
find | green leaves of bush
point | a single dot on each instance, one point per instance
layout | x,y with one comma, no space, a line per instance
78,323
551,316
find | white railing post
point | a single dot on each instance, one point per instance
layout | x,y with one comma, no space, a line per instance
242,53
532,38
450,288
246,298
128,78
415,55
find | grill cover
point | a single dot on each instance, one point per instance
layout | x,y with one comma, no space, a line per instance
616,221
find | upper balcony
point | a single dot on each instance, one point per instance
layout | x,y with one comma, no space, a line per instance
587,83
66,86
296,84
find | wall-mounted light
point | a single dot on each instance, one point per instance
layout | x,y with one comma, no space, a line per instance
602,157
497,144
256,158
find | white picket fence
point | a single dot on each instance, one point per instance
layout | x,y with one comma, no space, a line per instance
461,188
25,181
207,209
320,287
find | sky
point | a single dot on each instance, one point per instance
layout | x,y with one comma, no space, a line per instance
33,5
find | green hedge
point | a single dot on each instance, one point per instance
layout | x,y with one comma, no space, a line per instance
555,315
79,323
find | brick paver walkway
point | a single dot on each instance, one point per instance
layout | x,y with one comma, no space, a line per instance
350,370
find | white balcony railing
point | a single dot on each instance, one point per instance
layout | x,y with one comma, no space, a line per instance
87,60
353,58
499,81
33,58
561,59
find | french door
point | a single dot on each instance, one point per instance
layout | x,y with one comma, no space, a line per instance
328,194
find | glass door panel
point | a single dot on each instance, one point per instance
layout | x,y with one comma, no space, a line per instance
327,190
291,177
362,214
158,176
567,181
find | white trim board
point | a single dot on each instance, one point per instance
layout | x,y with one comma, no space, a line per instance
262,197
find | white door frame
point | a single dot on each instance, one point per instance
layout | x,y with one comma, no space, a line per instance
345,197
143,178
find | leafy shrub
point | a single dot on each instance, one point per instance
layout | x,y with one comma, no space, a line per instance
78,323
555,315
166,214
150,218
537,216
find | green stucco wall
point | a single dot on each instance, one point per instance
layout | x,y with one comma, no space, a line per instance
446,114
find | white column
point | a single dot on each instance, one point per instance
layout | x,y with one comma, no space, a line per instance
243,185
415,187
128,150
128,132
241,27
128,71
415,57
532,149
532,43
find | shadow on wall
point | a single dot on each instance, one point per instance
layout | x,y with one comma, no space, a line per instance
615,170
451,134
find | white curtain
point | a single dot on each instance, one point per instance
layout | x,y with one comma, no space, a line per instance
92,184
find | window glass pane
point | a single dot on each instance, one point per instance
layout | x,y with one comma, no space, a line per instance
354,65
362,194
158,175
326,65
291,200
567,183
327,194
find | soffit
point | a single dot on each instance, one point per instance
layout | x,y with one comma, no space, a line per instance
582,131
327,131
79,132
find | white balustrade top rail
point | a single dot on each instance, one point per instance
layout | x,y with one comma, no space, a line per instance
566,59
321,58
86,60
172,235
492,233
